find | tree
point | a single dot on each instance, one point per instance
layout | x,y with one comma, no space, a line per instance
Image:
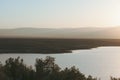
113,78
72,74
15,69
91,78
45,69
2,74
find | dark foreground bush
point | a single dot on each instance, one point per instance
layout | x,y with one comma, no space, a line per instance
45,69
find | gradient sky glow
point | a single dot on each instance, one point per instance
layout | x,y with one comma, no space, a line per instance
59,13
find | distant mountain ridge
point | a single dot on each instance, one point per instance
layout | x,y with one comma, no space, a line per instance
76,33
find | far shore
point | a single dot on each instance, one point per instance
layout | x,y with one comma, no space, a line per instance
48,46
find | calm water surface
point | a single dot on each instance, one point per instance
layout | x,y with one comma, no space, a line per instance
100,62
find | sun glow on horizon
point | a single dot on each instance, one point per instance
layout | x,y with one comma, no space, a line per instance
59,14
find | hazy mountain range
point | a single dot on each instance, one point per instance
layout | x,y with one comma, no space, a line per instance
99,33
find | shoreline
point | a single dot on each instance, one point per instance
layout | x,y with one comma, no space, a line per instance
49,46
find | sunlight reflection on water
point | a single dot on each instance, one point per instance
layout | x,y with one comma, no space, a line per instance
100,62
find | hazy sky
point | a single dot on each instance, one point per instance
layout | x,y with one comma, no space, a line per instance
59,13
